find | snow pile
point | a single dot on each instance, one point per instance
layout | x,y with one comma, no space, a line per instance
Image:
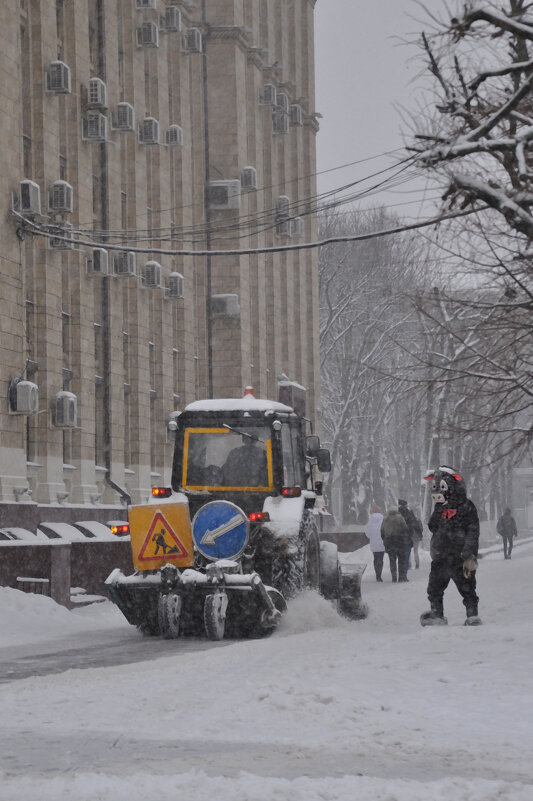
27,618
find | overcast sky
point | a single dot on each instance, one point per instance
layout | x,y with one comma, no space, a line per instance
362,70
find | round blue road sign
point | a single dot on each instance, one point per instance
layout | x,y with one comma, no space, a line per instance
220,530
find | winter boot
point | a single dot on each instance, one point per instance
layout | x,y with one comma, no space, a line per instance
472,618
435,616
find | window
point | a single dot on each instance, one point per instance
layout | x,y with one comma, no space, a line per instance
224,459
292,461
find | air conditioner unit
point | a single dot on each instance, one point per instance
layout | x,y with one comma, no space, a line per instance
224,306
295,114
30,197
280,122
23,397
60,198
269,96
283,210
297,226
224,194
124,263
94,128
174,135
193,40
98,264
148,35
65,410
249,178
172,20
124,117
149,131
175,286
151,278
97,93
58,78
282,102
283,228
64,234
171,426
140,4
283,206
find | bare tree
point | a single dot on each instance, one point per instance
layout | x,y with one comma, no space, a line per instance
366,321
478,142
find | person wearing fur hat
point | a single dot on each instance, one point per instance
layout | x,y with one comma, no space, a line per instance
373,533
454,526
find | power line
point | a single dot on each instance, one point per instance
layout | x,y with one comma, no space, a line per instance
37,231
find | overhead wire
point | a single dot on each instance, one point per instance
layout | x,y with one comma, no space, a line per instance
255,223
37,230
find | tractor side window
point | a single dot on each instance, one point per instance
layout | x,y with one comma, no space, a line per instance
298,458
290,477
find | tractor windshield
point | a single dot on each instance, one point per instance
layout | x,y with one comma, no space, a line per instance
227,459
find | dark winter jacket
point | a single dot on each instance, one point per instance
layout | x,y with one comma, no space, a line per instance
394,531
506,526
455,531
413,523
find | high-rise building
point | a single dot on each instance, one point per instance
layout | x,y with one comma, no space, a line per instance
137,135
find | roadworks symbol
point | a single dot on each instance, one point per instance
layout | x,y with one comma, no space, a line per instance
161,541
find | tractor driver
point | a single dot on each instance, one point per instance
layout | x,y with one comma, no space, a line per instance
246,466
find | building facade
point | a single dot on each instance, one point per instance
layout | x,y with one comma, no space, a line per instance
137,133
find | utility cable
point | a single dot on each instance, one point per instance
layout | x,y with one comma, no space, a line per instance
34,228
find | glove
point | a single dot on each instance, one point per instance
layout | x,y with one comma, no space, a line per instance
469,566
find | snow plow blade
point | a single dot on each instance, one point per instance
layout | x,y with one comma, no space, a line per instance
174,603
351,604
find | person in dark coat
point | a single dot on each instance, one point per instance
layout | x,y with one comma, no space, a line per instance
506,528
454,526
396,539
415,528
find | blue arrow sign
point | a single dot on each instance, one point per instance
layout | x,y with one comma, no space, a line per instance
220,530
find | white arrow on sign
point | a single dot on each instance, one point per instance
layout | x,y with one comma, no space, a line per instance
210,537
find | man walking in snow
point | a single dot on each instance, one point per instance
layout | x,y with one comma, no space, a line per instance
373,533
454,525
397,541
415,529
506,528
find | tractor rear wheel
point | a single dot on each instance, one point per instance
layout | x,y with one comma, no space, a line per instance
330,571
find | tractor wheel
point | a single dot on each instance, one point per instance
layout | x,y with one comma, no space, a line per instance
330,571
298,566
168,614
215,615
310,543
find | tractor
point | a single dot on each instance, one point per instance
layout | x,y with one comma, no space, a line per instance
223,549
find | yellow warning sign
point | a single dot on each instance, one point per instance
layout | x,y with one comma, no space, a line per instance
160,535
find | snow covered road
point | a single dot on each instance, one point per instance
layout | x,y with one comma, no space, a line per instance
325,709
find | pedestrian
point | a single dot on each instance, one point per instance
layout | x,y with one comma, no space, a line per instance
373,533
396,540
454,526
506,528
415,528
